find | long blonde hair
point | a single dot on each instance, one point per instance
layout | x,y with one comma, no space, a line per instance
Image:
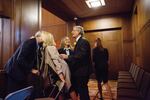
63,42
48,38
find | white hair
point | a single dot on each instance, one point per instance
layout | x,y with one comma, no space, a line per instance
81,29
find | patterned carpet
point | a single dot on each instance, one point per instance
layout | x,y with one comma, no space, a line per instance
93,90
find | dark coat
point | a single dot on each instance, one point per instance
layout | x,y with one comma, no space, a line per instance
100,58
81,58
22,61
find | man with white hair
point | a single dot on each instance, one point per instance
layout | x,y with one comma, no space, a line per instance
22,63
81,62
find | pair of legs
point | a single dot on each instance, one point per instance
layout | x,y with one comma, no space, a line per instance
106,85
72,94
80,86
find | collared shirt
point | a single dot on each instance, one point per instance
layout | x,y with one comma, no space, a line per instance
78,38
67,51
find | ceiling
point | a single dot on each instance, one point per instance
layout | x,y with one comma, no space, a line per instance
68,9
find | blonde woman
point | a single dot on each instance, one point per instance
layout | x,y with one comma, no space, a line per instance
66,45
66,48
53,60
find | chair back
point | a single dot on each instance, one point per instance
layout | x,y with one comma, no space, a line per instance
21,94
3,84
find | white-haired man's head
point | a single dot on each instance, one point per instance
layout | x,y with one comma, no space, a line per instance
45,37
77,30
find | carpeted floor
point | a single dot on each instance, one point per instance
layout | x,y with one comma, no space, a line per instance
93,90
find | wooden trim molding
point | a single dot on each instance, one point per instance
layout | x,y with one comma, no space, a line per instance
107,29
145,26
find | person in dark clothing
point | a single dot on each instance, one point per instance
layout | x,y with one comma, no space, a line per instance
81,61
100,59
22,63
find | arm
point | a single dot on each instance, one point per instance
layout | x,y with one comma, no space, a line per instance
81,53
107,55
93,55
53,54
26,49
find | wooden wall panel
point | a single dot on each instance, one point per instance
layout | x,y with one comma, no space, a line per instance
54,25
146,49
141,30
102,23
58,32
1,8
49,19
0,43
6,8
29,18
5,41
26,19
21,19
17,22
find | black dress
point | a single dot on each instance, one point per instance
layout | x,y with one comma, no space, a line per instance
100,58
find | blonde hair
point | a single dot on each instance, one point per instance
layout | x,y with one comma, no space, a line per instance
48,38
63,42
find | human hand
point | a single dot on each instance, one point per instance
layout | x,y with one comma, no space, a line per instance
35,71
61,76
63,56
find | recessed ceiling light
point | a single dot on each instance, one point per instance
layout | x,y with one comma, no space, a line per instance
95,3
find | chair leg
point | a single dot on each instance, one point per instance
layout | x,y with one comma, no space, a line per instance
52,90
96,96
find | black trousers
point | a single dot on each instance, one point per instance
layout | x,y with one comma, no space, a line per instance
80,85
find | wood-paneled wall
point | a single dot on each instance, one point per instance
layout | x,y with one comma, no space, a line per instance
141,30
54,25
6,40
6,33
116,35
5,10
20,20
26,18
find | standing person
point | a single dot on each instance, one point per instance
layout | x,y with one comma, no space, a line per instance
22,63
81,60
52,60
100,58
66,48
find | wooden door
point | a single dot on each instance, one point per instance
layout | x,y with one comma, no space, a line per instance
112,40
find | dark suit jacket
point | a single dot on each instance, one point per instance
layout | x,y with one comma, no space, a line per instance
81,58
100,57
22,61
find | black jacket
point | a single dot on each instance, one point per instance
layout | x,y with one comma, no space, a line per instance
100,57
81,58
22,61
